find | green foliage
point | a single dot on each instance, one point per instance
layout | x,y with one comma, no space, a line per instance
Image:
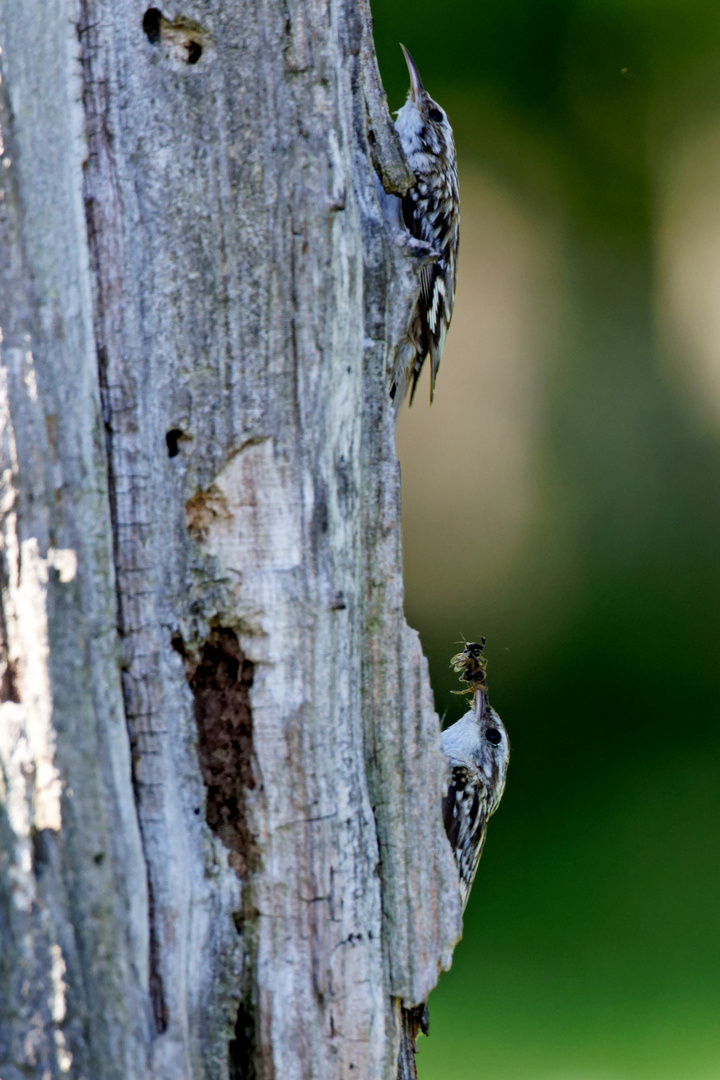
591,949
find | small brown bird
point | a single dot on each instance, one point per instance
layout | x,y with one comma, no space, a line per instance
477,752
431,212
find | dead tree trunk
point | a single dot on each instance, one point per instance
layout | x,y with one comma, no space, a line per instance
221,851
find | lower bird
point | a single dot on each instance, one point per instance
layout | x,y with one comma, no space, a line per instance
477,752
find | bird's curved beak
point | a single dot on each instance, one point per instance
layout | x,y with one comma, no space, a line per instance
416,86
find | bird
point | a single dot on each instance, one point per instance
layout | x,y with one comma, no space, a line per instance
477,752
431,214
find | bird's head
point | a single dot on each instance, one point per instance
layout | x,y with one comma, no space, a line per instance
493,747
422,125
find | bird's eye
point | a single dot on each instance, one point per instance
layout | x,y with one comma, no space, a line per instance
493,736
436,115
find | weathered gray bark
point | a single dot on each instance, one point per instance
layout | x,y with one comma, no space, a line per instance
221,847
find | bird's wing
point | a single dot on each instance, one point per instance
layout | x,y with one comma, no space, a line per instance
465,815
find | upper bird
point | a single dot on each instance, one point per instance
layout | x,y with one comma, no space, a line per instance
431,211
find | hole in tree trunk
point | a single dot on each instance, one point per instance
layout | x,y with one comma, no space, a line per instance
194,52
172,440
241,1049
220,678
152,20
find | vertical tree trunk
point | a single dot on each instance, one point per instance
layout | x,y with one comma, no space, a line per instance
220,840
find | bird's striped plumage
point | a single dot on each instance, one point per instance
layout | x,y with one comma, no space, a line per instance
431,212
477,770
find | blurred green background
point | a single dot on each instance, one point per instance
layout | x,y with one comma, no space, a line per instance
562,497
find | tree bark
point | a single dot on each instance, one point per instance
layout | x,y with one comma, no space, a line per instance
221,849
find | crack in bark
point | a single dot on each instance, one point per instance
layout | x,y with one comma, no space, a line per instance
9,674
242,1049
157,992
104,245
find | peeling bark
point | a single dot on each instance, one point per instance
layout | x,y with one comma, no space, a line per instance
221,846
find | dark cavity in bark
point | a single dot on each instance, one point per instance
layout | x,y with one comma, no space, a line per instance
220,678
